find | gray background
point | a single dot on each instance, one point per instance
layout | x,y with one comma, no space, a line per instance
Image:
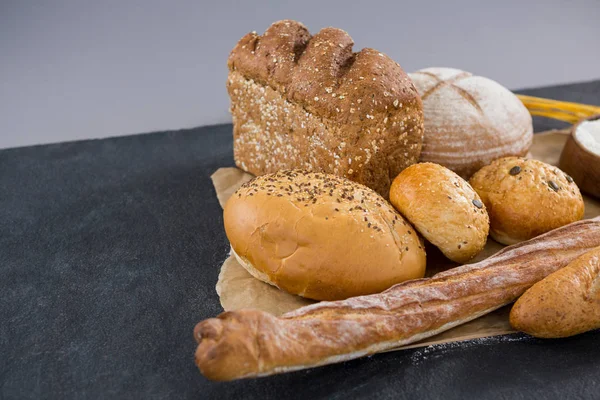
87,69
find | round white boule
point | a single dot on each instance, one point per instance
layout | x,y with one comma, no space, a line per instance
470,120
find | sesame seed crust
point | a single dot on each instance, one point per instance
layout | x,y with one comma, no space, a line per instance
310,102
321,236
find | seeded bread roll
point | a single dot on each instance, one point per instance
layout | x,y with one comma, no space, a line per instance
525,198
302,101
565,303
470,120
444,208
321,236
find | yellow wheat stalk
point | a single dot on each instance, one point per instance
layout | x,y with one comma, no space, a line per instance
561,110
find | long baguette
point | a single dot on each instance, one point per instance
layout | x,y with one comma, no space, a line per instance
251,343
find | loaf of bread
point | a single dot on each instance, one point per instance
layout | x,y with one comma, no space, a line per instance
526,198
309,102
249,343
566,303
470,120
321,236
444,208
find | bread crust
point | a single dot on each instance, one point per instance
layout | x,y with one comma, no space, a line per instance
321,236
565,303
250,343
532,199
444,208
310,102
470,120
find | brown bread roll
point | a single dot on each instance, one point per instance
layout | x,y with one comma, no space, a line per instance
321,236
310,102
566,303
470,120
444,208
525,198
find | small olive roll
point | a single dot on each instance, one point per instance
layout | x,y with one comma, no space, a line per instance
526,198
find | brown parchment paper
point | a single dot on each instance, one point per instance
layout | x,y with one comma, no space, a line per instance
238,289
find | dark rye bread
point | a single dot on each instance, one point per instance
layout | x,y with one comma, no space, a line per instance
302,101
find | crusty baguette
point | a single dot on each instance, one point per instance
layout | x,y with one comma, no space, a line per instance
565,303
249,343
310,102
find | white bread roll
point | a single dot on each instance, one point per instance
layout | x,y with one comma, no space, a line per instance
470,120
321,236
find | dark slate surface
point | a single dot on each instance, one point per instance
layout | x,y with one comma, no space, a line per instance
109,253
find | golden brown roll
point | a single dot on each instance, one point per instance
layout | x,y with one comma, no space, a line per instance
443,207
525,198
321,236
566,303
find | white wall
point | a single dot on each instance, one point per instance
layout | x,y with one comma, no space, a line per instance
87,69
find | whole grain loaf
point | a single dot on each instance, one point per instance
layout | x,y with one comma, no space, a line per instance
310,102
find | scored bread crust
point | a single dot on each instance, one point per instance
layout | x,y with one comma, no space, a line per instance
310,102
250,343
470,120
566,303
